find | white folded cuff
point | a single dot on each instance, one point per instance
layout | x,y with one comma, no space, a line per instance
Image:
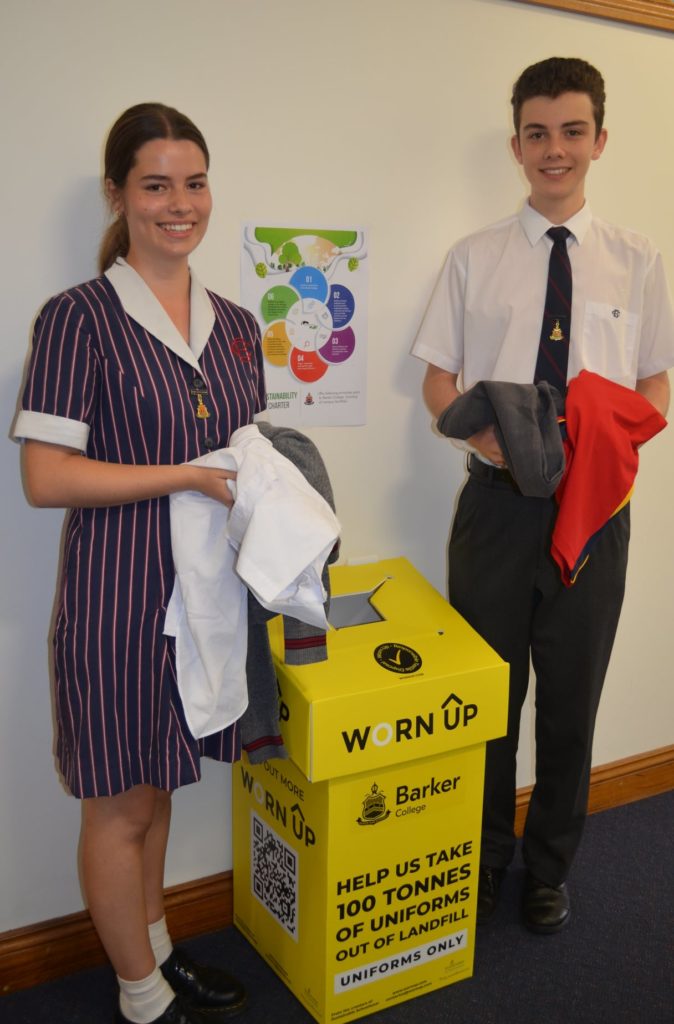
42,426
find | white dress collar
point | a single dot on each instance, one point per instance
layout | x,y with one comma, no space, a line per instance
535,224
140,302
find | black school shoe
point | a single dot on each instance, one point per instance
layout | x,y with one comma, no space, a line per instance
546,909
203,987
489,885
176,1013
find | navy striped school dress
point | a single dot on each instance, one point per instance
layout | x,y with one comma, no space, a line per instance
111,376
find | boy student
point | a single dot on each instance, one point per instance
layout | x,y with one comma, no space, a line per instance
604,304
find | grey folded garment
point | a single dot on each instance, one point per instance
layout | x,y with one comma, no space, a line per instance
304,644
525,418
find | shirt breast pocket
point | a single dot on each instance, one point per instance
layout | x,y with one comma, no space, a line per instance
609,340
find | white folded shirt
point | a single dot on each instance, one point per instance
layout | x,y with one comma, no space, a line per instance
274,541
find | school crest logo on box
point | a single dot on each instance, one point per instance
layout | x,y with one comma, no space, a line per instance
374,807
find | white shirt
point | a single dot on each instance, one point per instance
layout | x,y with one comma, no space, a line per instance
484,317
274,541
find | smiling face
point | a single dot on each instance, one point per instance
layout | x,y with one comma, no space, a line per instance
556,142
166,201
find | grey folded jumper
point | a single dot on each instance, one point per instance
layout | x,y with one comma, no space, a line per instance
525,417
304,644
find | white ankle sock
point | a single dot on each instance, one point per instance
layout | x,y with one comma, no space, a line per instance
145,1000
160,940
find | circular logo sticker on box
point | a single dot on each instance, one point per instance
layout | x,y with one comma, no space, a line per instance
398,658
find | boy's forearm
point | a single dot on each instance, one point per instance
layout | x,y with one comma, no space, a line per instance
439,389
656,390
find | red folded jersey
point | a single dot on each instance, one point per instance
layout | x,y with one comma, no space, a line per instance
605,424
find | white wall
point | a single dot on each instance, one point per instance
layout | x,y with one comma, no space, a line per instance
385,113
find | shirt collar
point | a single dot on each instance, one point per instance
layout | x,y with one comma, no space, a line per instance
140,302
534,224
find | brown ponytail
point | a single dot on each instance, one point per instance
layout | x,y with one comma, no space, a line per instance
115,243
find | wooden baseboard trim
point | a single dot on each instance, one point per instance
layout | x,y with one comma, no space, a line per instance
620,782
51,949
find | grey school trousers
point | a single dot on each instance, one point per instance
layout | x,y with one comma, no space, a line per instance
503,580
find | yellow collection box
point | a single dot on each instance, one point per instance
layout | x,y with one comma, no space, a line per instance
356,861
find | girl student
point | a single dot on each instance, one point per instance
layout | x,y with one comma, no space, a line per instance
133,375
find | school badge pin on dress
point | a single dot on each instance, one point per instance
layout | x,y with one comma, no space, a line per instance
202,411
200,391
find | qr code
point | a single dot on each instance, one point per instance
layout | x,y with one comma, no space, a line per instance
274,870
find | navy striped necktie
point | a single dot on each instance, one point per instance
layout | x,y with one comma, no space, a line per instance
553,349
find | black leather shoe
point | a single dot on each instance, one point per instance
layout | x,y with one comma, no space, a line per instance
546,909
175,1013
488,891
206,988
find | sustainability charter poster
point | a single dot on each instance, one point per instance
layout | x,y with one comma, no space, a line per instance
308,289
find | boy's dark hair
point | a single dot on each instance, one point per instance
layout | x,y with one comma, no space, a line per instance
554,76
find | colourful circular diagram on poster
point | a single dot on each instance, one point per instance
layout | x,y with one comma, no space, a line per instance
341,304
276,344
307,287
309,325
310,283
276,302
340,346
307,366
